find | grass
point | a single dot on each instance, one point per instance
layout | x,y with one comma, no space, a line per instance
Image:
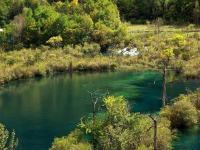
29,63
192,68
164,28
187,51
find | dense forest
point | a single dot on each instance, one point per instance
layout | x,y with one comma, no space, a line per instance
44,37
29,23
172,11
36,22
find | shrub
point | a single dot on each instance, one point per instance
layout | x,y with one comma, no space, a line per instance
194,97
8,140
91,49
55,41
71,142
181,114
120,129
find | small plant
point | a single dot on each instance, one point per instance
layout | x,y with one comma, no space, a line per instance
55,41
8,141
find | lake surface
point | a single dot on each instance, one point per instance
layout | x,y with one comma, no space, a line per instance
41,109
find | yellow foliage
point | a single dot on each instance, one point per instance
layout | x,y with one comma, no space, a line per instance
167,53
74,2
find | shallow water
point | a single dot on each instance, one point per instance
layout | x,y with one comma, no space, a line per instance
41,109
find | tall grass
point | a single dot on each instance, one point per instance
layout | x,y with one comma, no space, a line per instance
28,63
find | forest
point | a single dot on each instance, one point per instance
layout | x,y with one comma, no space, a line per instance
43,38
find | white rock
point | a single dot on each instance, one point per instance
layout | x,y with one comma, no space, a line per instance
129,52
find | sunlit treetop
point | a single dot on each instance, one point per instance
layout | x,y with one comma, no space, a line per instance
74,3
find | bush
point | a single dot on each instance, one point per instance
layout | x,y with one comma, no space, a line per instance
91,49
71,142
117,128
8,140
181,114
55,41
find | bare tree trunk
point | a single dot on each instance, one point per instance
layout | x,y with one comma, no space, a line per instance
94,114
155,135
94,123
70,67
164,92
155,126
94,103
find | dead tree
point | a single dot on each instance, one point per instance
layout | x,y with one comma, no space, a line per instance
95,100
164,91
70,68
155,127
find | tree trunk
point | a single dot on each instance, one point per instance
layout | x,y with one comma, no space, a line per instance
94,114
155,135
70,68
155,138
94,123
164,92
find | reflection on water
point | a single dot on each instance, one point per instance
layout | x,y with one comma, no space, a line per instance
40,109
188,140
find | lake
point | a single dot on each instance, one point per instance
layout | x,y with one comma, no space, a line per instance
43,108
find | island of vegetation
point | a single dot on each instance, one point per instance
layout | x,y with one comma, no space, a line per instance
45,37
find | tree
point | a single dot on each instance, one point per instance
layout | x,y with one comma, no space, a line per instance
117,128
45,17
30,28
155,127
78,29
166,55
74,3
196,12
4,12
18,26
33,22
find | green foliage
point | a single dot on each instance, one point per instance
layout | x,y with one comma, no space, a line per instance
192,97
43,61
116,108
140,11
45,17
167,54
34,22
55,41
78,30
117,128
71,142
181,114
4,12
8,140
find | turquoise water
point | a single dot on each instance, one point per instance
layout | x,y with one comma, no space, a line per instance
43,108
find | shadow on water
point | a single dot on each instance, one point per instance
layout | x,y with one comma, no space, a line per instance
43,108
188,139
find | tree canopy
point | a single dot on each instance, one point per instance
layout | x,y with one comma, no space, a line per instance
34,22
139,11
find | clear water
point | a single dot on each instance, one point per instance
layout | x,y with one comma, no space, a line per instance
41,109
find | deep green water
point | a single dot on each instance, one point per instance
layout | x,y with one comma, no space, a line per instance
41,109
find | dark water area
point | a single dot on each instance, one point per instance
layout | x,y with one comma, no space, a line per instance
188,139
41,109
